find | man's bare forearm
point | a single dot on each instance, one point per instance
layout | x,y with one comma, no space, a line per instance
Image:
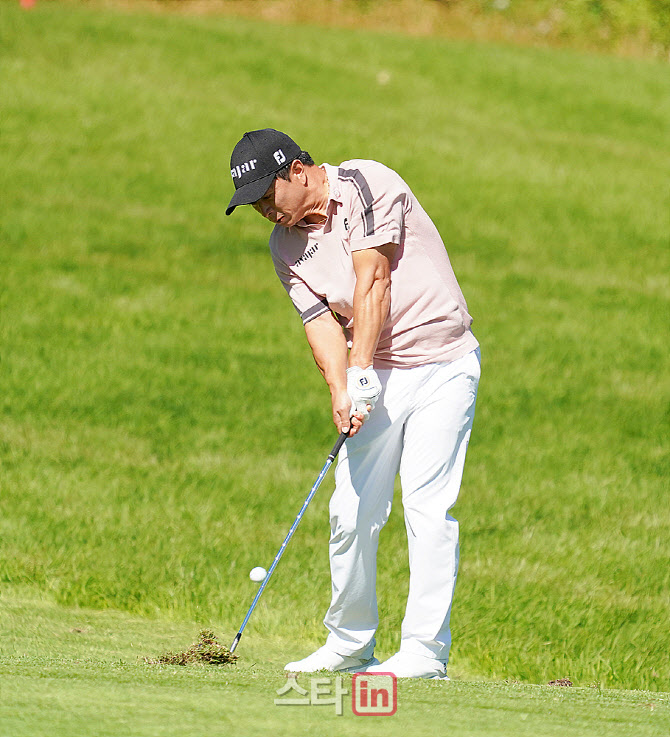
372,300
329,347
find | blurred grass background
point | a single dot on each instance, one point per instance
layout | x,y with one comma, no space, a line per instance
153,439
625,27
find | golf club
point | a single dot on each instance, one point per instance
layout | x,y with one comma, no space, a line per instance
310,496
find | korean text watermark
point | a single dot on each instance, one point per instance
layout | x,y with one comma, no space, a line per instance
371,694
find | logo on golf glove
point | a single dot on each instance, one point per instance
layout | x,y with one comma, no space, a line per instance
364,389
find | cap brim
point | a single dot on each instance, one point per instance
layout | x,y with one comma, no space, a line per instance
251,192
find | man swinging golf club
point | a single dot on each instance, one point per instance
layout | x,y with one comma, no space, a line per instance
389,328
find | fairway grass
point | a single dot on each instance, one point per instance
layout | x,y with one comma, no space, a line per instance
66,672
161,419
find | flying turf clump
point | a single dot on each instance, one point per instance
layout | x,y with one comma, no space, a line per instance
208,650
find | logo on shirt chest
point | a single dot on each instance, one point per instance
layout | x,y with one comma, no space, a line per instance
309,253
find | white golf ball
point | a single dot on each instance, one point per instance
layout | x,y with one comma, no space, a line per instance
258,573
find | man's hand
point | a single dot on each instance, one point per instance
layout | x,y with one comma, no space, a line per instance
364,388
342,413
329,347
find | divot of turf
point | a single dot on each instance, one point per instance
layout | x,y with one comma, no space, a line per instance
207,650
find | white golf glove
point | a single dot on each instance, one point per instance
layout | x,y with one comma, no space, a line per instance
364,389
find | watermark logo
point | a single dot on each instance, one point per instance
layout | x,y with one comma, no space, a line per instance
374,694
371,695
322,691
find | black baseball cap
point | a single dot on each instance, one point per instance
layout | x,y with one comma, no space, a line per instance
255,162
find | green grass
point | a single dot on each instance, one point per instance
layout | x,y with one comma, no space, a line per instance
82,672
161,418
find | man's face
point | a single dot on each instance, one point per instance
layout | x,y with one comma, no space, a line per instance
283,203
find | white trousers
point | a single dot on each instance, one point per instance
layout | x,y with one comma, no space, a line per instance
420,428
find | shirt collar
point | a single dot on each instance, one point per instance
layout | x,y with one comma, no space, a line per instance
334,195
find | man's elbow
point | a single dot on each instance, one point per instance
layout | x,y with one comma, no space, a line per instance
382,284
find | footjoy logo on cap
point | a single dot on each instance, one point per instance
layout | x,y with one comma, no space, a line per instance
237,171
279,155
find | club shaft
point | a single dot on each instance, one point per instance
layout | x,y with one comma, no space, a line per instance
280,552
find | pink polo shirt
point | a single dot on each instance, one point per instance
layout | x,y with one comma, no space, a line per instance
370,206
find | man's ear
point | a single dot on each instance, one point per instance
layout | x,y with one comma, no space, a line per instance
298,171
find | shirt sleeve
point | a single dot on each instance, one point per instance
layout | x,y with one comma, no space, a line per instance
308,304
377,210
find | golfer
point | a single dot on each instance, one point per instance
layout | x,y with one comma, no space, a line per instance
389,328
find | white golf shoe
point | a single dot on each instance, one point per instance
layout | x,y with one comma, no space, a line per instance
409,665
325,659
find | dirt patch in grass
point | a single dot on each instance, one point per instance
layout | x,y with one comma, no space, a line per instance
560,682
206,651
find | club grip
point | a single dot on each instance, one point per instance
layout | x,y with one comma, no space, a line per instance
338,445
